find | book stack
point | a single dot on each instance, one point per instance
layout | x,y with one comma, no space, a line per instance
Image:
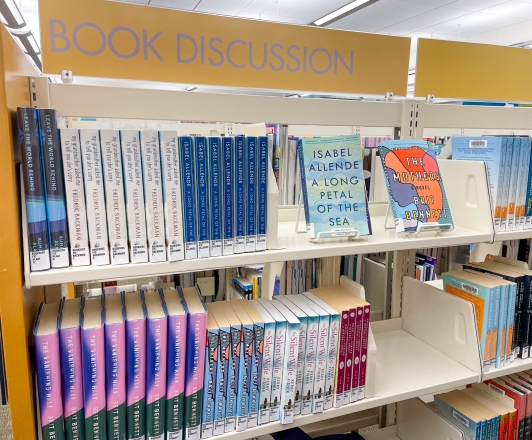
509,174
98,197
425,267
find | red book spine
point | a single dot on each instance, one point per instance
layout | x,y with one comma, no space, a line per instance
350,355
364,353
342,358
355,380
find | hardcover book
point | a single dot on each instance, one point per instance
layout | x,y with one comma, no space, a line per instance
334,193
156,340
175,371
415,187
115,366
215,195
48,369
202,196
524,165
262,191
186,150
114,194
153,191
228,195
173,205
55,187
250,193
34,189
72,368
75,198
93,358
94,196
240,196
210,380
134,196
514,179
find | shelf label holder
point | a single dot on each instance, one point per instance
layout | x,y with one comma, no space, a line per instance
421,227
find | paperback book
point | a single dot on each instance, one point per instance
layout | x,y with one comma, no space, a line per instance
334,193
415,187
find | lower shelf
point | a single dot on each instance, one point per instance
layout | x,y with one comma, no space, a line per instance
406,368
515,367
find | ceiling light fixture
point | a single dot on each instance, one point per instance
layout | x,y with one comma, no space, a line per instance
10,15
189,89
342,12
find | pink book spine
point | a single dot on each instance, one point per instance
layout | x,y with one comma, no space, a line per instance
342,358
364,353
355,382
350,353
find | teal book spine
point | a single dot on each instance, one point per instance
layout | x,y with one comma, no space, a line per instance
500,360
514,178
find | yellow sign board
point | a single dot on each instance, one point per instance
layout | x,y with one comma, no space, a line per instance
450,69
109,39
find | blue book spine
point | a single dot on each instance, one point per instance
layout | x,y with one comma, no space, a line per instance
215,177
34,189
240,202
55,188
262,192
186,144
528,202
202,196
303,179
250,173
228,195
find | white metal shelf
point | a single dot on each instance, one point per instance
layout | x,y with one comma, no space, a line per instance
513,235
515,367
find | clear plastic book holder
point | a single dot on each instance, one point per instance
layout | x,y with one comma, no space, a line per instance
421,227
350,233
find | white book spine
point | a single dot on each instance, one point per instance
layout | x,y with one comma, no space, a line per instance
267,372
290,369
75,198
95,197
134,192
321,365
173,207
310,364
303,327
330,378
278,369
114,194
151,165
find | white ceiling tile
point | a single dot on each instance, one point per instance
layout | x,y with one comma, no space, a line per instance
360,15
270,6
218,11
354,27
431,18
408,10
436,3
225,4
476,5
516,9
314,9
293,20
381,20
472,24
174,4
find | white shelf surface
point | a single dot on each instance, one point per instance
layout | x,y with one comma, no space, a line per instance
513,235
515,367
292,246
406,368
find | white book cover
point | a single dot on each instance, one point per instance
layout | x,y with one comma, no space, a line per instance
134,196
94,195
278,359
173,206
75,198
114,194
153,193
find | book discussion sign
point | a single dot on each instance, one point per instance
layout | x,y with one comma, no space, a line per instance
101,38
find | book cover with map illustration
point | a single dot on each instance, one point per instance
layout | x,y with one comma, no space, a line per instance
415,186
333,185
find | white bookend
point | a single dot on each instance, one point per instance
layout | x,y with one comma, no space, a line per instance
173,209
153,193
114,194
95,197
75,198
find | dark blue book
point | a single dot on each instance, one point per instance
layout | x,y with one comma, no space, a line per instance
188,187
250,173
34,189
228,146
202,196
262,192
215,195
240,198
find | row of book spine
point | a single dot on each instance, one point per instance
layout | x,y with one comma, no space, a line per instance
125,196
150,364
501,293
510,176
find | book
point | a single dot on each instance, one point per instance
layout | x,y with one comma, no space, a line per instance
48,367
278,359
519,399
93,358
195,361
153,191
115,366
135,366
506,183
175,371
211,378
265,353
202,195
228,152
514,180
75,198
493,151
171,179
528,194
114,194
34,190
71,368
156,352
55,187
134,196
263,166
214,159
186,150
94,196
415,187
250,193
334,193
240,196
524,164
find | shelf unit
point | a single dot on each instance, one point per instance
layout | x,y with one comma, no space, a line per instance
426,350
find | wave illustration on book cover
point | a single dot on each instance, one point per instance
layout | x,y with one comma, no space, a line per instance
333,185
414,183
